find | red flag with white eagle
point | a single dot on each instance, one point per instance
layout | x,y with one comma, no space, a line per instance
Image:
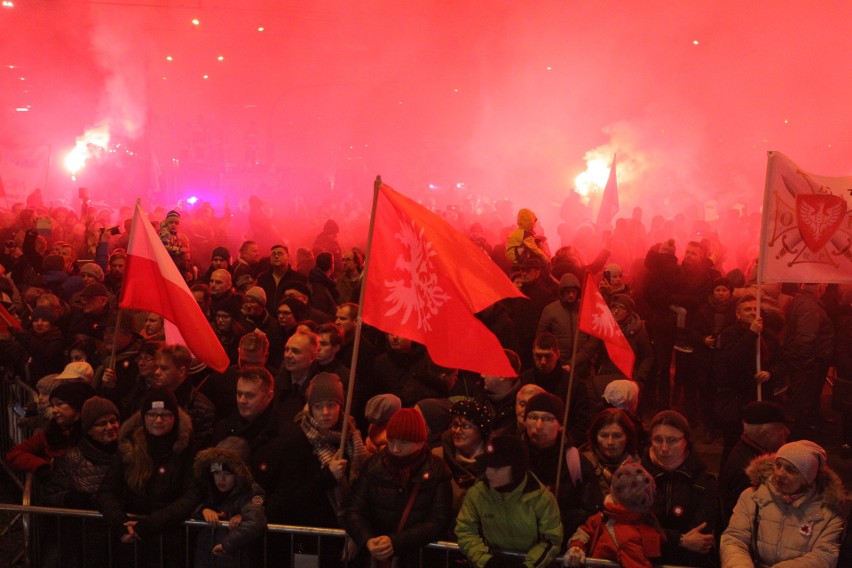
425,281
153,283
807,225
596,319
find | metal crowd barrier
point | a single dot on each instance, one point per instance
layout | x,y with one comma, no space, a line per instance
429,555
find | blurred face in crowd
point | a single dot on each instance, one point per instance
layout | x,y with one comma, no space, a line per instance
522,398
400,344
344,319
403,448
279,258
611,441
466,436
67,254
787,478
77,356
223,321
296,295
693,254
349,266
545,360
252,398
168,375
41,326
542,429
619,312
251,307
616,279
88,278
326,413
219,262
498,387
747,312
225,481
773,435
498,476
173,224
159,422
105,429
147,366
153,324
721,293
286,318
569,295
251,254
220,282
117,265
63,413
93,304
298,354
530,275
327,350
668,445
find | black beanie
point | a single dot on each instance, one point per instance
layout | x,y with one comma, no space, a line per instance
159,399
74,393
546,402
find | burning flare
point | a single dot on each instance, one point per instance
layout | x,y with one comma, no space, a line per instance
89,145
593,180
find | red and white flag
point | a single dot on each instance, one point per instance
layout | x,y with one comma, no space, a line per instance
425,280
609,201
806,231
153,283
596,319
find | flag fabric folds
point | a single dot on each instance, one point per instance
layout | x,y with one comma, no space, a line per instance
609,201
596,319
806,231
153,283
425,281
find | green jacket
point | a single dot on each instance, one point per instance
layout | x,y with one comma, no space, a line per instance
525,519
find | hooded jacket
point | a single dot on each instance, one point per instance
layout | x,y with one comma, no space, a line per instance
562,320
525,519
521,243
167,496
804,533
245,499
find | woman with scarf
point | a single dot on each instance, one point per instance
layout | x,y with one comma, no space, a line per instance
623,309
465,439
402,500
151,475
314,478
791,516
715,314
687,500
612,442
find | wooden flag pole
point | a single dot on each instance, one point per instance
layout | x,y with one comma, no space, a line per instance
760,258
350,387
562,439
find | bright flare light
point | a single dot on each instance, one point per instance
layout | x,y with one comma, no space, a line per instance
90,144
593,180
192,200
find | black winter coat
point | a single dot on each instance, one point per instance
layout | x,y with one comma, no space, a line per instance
378,502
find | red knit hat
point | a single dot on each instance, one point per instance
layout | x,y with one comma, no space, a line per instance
407,424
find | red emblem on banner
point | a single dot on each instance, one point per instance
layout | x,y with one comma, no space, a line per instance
818,216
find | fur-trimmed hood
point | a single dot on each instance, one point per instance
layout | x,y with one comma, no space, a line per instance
133,447
829,485
201,467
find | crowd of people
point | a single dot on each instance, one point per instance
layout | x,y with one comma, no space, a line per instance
133,426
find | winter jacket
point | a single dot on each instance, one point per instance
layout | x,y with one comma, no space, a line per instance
465,472
266,455
324,294
245,499
634,330
36,452
562,322
167,496
686,497
78,474
805,533
521,245
47,352
809,333
525,519
636,540
378,502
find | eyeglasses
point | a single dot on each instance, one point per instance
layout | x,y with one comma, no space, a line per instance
105,423
463,426
285,313
546,418
617,308
164,416
670,441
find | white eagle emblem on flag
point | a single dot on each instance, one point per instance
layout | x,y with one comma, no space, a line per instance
418,291
603,322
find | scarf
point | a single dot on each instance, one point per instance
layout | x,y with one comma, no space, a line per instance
325,444
401,468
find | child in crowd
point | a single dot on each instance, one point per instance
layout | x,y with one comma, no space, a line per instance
625,531
230,495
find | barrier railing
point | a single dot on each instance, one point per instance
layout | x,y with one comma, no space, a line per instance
298,557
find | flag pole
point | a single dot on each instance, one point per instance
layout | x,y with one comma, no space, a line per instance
760,257
121,294
350,387
562,439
